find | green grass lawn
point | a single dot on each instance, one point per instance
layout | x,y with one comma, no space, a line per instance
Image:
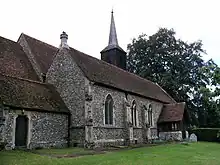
170,154
64,151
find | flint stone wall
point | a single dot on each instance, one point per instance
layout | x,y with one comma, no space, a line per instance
98,106
138,135
69,81
107,134
48,130
44,129
117,131
156,110
8,129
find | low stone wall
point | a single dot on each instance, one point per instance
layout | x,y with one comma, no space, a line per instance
174,136
102,143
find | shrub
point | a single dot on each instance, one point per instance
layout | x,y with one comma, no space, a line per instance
206,134
2,145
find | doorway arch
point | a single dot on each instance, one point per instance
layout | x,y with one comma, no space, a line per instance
21,131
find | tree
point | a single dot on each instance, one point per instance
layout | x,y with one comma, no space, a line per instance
178,67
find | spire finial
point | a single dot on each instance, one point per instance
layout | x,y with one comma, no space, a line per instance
113,35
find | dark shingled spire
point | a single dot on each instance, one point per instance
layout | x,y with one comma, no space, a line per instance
113,53
113,35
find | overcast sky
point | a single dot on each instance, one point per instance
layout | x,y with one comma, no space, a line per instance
87,22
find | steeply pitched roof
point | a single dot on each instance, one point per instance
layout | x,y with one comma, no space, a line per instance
172,112
101,72
13,60
113,40
30,94
43,52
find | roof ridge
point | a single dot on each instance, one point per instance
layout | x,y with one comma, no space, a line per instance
9,40
183,102
39,41
23,79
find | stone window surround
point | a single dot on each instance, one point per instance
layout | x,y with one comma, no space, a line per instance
113,112
134,114
150,112
146,109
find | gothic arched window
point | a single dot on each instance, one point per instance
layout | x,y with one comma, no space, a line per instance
109,110
134,113
150,115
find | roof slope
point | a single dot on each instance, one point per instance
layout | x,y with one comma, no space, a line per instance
30,94
101,72
172,112
13,60
43,52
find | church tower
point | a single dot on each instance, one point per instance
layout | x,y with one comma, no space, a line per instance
113,53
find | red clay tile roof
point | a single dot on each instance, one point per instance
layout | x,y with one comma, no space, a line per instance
101,72
172,112
13,60
30,94
43,52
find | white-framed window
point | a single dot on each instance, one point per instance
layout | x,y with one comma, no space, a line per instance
109,110
174,127
134,113
150,115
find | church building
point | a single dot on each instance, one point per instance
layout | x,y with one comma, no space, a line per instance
58,97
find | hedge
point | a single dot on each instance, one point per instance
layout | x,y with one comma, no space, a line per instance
206,134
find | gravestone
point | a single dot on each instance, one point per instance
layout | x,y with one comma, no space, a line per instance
193,138
187,134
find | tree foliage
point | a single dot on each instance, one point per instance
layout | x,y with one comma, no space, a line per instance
177,66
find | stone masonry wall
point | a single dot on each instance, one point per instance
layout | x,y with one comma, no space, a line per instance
175,135
118,130
140,101
102,132
48,129
156,110
69,81
98,105
44,129
8,129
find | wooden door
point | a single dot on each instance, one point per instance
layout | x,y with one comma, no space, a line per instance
21,131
